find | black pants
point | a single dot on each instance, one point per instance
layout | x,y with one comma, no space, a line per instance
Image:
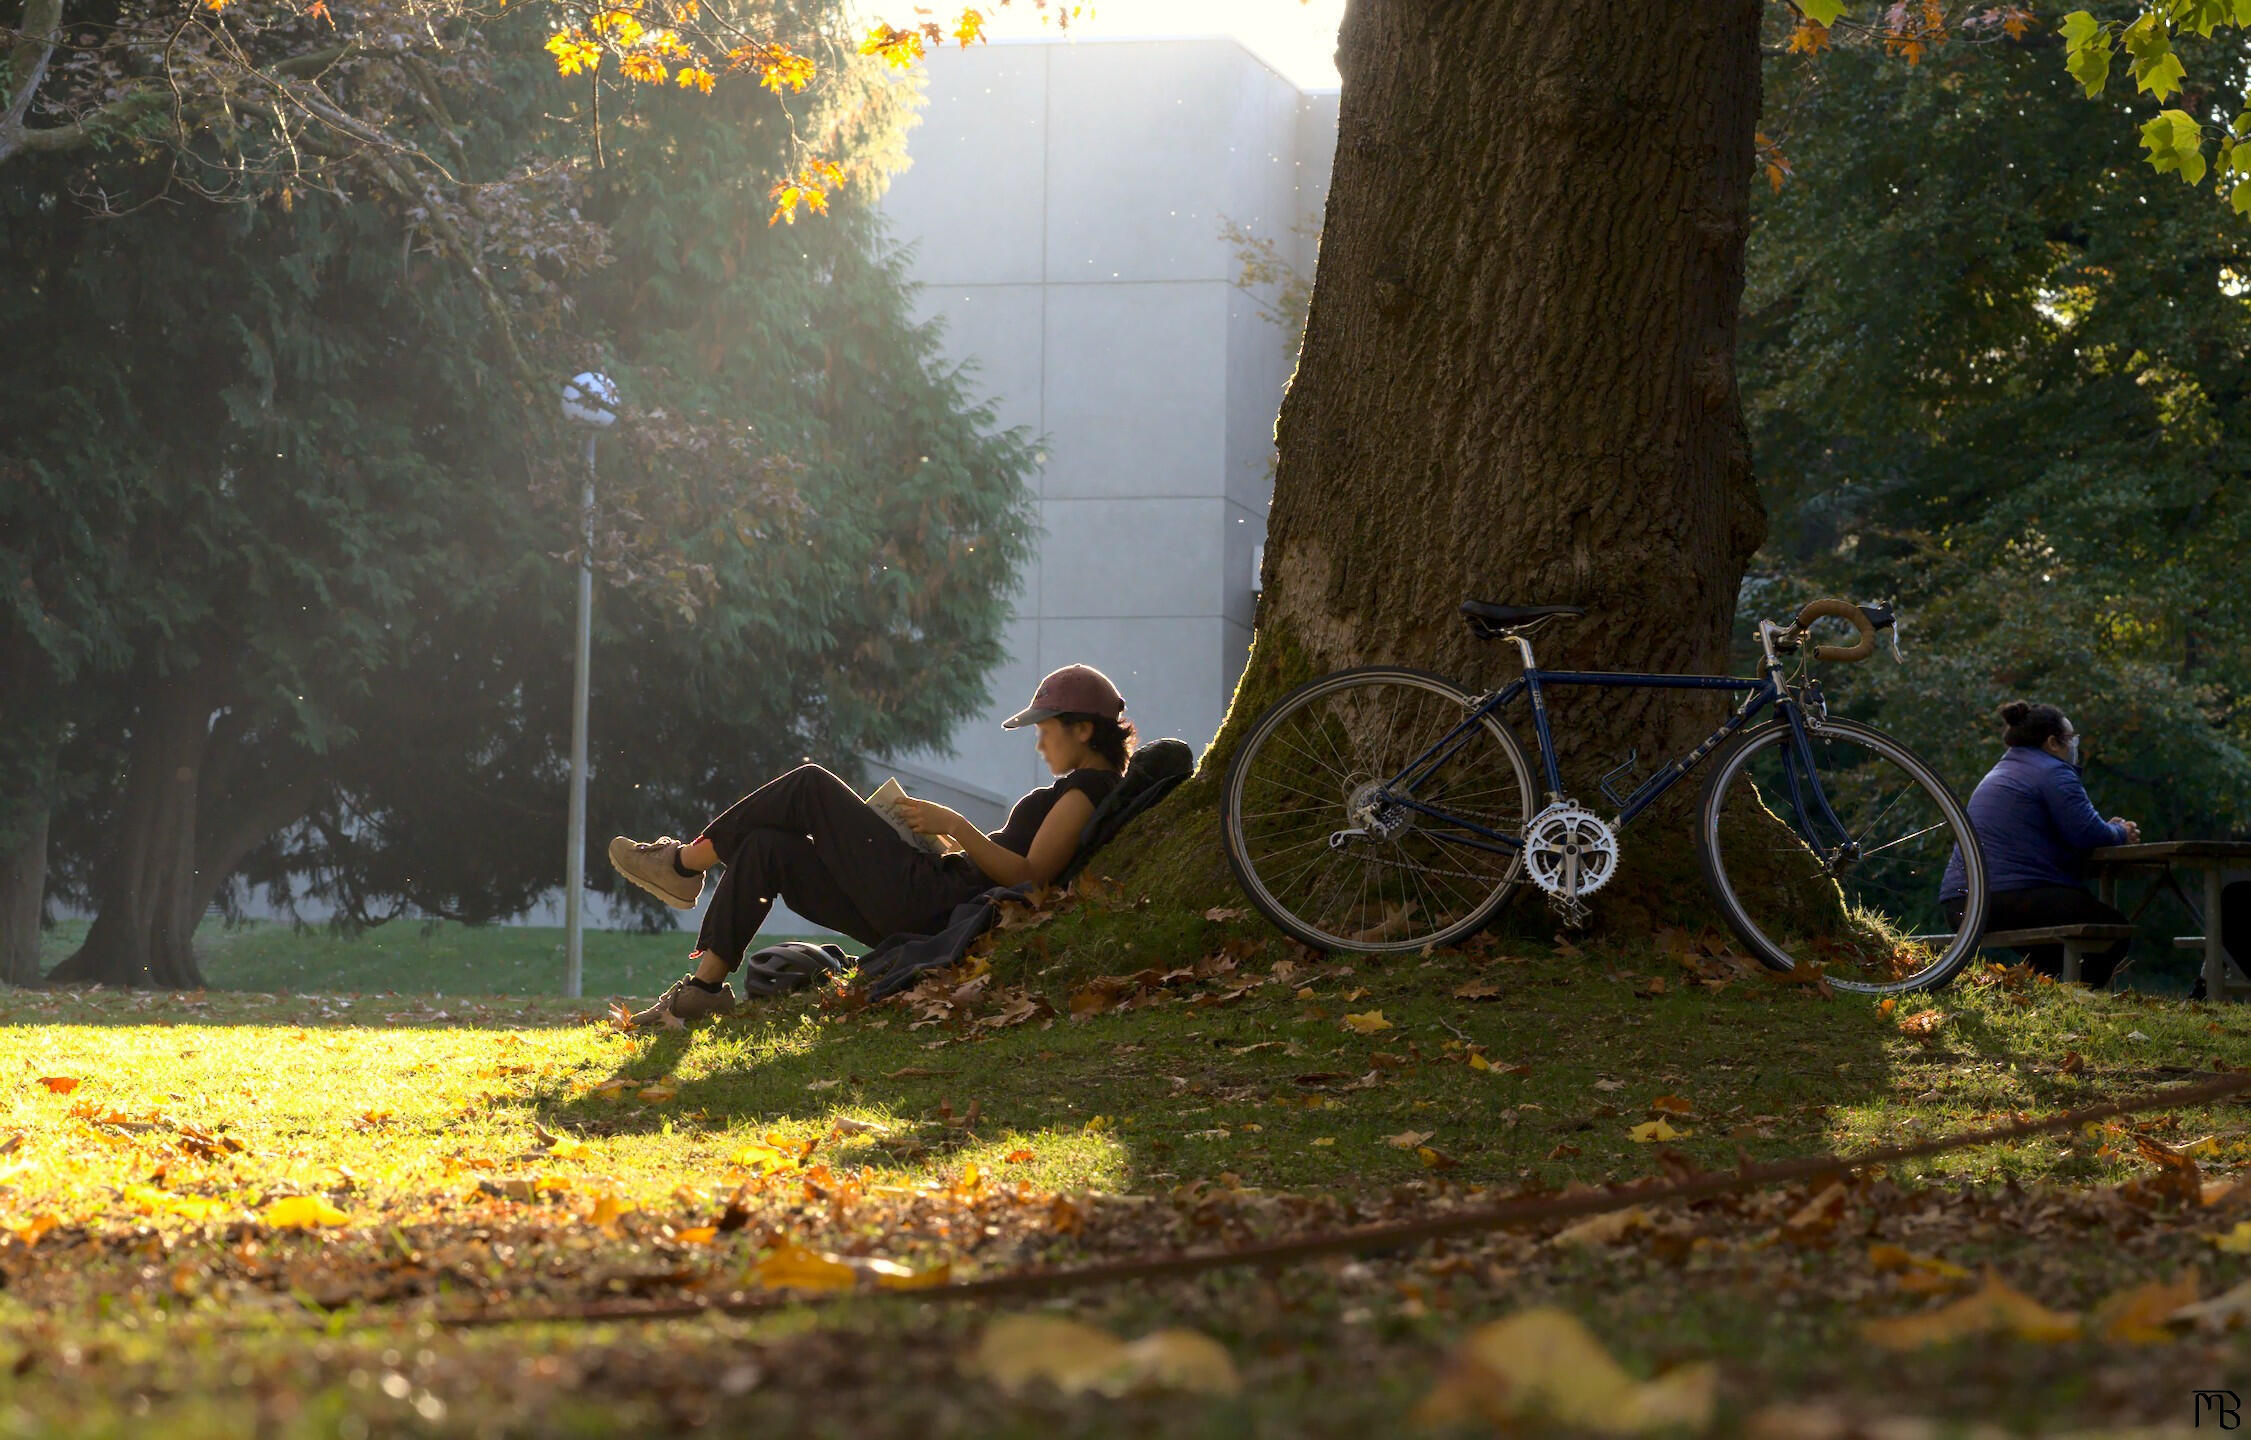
2046,905
2235,922
811,841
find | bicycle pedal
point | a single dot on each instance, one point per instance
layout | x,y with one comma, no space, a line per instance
1569,911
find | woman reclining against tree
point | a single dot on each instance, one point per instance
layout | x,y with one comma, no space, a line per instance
811,841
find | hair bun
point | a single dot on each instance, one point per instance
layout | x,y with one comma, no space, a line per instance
2016,712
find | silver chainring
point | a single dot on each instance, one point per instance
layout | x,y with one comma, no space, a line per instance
1570,853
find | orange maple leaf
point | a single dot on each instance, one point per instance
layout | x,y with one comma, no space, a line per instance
779,67
809,187
900,49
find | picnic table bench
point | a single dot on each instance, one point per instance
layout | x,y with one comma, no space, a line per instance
2214,860
2076,941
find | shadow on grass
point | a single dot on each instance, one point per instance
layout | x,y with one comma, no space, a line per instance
1278,1088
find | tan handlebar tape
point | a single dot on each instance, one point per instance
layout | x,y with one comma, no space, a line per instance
1839,610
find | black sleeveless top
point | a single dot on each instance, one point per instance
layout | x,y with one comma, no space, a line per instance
1029,813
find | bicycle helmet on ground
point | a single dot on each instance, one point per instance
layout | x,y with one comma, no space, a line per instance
791,965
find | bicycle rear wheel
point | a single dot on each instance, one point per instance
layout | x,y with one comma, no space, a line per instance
1835,855
1324,847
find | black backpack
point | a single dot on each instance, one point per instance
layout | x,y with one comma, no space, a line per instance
1149,777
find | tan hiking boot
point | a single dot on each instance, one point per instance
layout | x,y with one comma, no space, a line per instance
648,864
684,1001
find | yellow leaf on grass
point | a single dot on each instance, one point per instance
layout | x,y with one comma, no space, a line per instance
795,1268
1652,1131
149,1200
1918,1274
755,1156
1602,1229
1019,1351
1367,1023
1544,1362
302,1212
2138,1316
1996,1308
1672,1105
605,1213
2236,1241
1407,1139
1479,1062
658,1093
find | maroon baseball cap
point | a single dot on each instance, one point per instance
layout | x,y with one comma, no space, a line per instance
1072,690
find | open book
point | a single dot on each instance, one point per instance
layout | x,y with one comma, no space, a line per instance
885,802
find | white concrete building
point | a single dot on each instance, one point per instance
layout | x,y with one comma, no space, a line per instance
1065,207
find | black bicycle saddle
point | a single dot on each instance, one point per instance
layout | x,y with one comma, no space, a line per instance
1506,617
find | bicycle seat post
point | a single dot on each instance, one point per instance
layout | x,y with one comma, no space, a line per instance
1523,645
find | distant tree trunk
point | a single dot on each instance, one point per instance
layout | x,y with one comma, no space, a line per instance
148,899
23,896
1517,381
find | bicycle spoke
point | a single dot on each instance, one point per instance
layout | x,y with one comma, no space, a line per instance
1902,840
1319,765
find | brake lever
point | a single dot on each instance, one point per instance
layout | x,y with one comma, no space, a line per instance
1884,615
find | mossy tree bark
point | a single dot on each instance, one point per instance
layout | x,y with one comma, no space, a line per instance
1517,381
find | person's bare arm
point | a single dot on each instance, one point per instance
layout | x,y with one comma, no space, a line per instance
1052,848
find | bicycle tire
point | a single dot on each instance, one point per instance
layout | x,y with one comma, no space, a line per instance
1872,932
1248,771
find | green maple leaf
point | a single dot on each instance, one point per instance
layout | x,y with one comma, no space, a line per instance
2175,143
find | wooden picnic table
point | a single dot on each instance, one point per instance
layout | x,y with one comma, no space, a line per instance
2212,858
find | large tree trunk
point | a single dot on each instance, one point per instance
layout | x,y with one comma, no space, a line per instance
148,896
1517,381
23,897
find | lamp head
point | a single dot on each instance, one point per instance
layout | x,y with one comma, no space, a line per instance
590,398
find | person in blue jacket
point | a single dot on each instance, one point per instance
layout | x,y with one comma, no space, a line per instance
2034,826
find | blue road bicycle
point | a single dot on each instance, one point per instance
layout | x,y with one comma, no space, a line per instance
1385,809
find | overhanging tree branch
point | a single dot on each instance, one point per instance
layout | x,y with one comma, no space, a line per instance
35,47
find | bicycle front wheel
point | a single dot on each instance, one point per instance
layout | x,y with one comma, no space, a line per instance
1317,826
1834,853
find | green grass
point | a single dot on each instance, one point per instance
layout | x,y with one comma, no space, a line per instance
415,958
1212,1112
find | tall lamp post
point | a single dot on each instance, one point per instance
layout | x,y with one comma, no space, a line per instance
589,400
